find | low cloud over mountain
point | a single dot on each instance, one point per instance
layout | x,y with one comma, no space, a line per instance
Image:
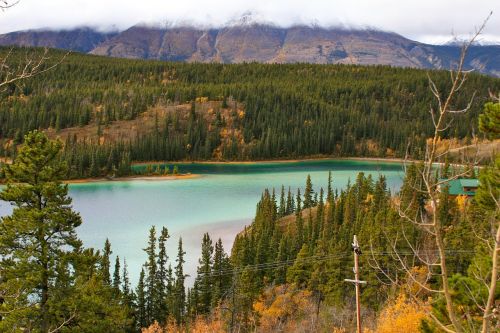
261,43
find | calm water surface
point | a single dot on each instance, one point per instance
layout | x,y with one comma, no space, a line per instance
220,202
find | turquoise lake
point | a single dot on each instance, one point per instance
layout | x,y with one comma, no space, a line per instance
221,201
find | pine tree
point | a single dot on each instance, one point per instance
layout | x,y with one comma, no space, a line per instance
282,206
126,291
329,226
489,189
162,280
329,191
220,278
151,278
308,193
300,272
246,291
179,306
106,262
171,297
280,275
116,276
290,203
299,202
193,301
204,278
299,225
319,277
320,217
489,120
38,235
141,313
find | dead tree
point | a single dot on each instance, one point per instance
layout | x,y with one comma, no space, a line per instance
5,4
434,256
34,63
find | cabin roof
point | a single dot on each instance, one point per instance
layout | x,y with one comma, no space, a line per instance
458,186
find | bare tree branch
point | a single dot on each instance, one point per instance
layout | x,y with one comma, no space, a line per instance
65,322
428,220
11,74
6,4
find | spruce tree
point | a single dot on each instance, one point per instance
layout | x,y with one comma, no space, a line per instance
299,202
280,276
299,225
162,280
319,277
246,291
220,277
151,278
320,217
126,291
179,306
170,291
204,278
290,203
141,313
116,276
300,272
329,191
282,206
106,262
489,120
308,193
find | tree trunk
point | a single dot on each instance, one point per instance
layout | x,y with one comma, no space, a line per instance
493,285
444,279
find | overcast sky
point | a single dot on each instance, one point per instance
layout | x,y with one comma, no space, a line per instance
431,21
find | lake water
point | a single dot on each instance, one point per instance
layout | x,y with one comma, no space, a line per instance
221,201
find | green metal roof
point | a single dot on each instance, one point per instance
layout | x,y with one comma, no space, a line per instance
456,186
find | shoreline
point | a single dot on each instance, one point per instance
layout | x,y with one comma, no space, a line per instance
131,178
194,176
312,159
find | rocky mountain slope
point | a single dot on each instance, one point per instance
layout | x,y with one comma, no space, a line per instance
262,43
80,40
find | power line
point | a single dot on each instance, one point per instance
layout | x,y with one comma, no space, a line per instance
319,258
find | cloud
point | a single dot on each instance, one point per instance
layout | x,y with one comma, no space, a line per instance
423,20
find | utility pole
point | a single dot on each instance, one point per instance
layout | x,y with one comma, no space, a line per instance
356,281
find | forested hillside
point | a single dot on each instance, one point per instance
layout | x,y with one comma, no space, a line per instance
286,270
229,112
429,257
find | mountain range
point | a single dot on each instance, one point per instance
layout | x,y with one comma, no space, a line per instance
261,43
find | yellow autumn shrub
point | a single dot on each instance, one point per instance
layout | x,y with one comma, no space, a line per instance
399,316
282,307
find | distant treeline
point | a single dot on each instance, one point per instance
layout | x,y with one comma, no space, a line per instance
289,111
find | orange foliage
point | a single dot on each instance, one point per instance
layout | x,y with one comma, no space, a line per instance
419,274
282,307
201,99
199,325
461,202
401,316
154,328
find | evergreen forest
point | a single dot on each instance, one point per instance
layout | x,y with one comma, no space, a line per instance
225,112
285,271
429,259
